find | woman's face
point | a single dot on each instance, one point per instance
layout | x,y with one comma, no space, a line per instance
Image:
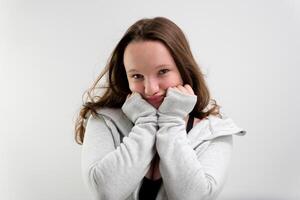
150,70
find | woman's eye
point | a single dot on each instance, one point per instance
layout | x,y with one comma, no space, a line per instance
163,71
137,76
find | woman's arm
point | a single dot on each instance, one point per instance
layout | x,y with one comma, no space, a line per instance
186,173
114,173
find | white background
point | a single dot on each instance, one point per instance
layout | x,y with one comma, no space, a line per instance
51,51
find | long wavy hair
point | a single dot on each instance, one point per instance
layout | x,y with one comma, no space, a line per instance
116,87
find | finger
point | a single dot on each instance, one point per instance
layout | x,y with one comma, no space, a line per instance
189,89
183,89
129,95
176,88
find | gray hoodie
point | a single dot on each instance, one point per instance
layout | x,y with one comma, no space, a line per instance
119,145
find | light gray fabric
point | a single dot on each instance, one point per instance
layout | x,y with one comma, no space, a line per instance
119,145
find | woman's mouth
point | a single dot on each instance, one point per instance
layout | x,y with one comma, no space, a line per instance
155,100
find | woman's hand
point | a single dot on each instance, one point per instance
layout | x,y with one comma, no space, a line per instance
179,101
186,89
136,107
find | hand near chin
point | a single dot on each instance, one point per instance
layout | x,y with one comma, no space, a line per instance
135,107
179,101
186,89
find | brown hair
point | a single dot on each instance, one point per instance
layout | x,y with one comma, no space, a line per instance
117,87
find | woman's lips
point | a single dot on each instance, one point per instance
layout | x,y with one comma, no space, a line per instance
155,99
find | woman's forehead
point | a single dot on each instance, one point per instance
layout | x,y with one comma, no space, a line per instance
147,53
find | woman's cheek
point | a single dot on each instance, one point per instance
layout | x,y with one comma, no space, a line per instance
135,88
166,85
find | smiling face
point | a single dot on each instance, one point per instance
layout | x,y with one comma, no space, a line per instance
150,70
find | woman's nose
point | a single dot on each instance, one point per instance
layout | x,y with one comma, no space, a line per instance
151,87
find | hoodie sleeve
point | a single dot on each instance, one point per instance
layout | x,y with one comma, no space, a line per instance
188,173
114,173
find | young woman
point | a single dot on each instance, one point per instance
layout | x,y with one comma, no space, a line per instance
154,132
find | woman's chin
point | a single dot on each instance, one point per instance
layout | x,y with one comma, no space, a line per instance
155,105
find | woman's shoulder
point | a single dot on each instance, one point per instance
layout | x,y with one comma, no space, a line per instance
224,125
115,117
109,112
214,126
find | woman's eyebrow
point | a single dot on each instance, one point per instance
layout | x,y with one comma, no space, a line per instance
133,70
162,65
